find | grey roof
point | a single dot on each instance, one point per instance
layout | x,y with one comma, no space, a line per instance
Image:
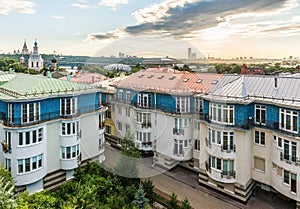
248,88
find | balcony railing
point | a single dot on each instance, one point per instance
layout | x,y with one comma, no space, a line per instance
6,147
146,125
101,125
290,159
18,122
224,148
228,148
178,131
250,123
228,174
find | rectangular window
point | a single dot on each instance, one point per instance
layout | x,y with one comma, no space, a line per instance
182,104
119,126
144,100
197,145
219,162
68,106
70,128
27,164
222,113
260,114
199,105
68,151
30,112
34,163
27,137
127,111
8,164
11,111
259,137
107,129
279,142
259,164
20,166
288,120
40,160
128,96
20,139
120,95
286,177
293,182
108,114
290,150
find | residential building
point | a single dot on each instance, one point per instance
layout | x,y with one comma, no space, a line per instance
250,136
158,106
252,70
49,127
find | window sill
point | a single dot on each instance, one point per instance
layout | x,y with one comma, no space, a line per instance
30,172
29,145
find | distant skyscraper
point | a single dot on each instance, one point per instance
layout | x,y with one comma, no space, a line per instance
189,53
25,49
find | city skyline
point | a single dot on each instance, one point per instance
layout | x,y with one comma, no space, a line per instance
216,28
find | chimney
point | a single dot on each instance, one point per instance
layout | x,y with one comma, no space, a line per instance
275,82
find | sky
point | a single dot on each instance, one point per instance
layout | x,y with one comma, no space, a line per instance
215,28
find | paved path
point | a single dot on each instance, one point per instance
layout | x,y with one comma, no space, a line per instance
185,184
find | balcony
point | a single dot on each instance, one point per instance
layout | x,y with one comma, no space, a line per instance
224,148
178,131
101,125
228,174
228,149
290,159
220,175
18,122
6,147
146,125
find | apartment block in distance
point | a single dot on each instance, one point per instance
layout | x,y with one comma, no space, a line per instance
48,128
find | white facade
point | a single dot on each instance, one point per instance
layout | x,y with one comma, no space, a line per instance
35,60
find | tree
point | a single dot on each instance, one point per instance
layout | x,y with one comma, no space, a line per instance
186,204
127,162
173,201
148,187
8,198
140,201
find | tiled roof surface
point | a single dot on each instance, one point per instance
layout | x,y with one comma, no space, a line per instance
86,78
169,81
23,86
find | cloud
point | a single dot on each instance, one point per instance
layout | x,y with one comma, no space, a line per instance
112,3
18,6
57,17
81,6
186,19
111,35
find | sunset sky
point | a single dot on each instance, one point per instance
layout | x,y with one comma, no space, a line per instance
219,28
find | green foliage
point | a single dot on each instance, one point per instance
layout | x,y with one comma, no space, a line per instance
186,204
127,162
8,198
228,68
173,201
140,201
92,187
